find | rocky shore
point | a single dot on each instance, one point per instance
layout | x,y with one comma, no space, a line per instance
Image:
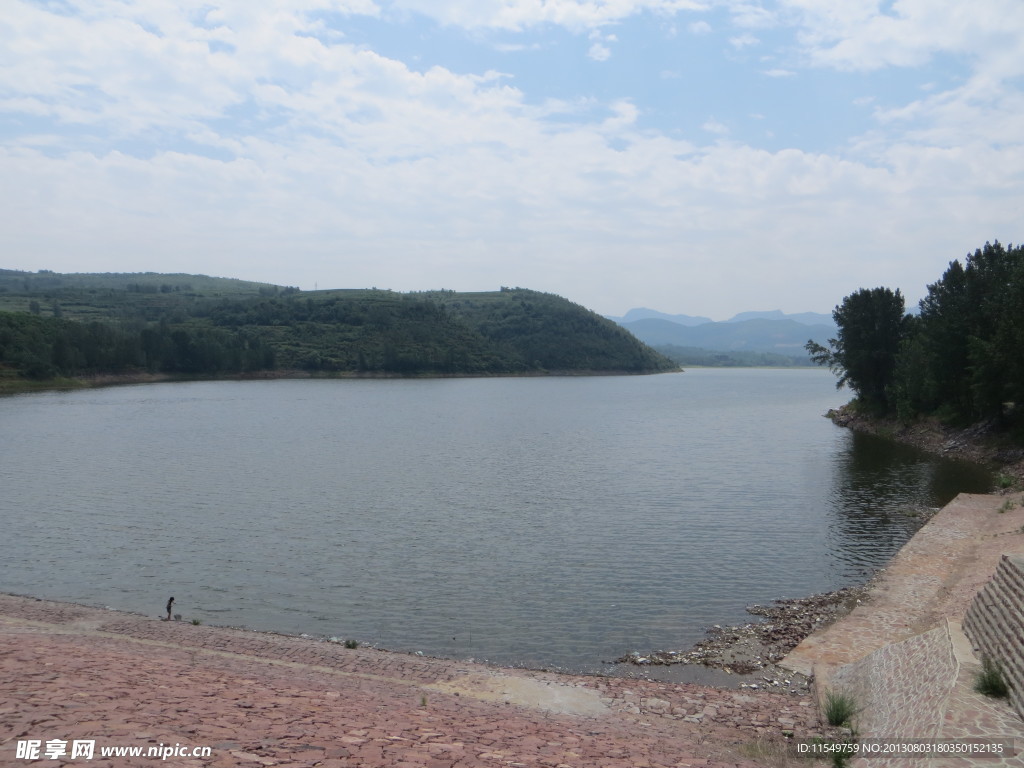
982,443
751,651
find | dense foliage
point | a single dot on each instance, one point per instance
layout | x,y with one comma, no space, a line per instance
871,327
960,359
71,325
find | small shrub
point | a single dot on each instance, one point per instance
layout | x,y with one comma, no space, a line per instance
351,643
839,708
1004,481
1007,506
990,681
196,622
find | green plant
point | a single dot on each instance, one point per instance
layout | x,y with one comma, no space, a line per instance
839,708
196,622
1004,481
990,681
351,643
1007,506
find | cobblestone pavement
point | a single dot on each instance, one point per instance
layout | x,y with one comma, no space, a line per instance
70,672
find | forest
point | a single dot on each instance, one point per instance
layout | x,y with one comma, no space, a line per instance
66,326
960,358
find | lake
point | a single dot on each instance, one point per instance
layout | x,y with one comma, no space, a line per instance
546,522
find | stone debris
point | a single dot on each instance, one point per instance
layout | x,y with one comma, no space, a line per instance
757,647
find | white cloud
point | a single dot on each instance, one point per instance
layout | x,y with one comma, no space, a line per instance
699,28
751,15
523,14
743,41
598,50
861,36
308,158
779,73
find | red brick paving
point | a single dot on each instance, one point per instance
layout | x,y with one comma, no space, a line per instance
69,672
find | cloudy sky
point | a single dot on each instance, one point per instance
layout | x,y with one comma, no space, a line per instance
694,156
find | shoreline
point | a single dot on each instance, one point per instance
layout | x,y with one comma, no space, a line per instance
729,657
261,699
979,443
266,699
19,386
751,653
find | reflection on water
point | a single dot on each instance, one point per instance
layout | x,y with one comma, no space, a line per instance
881,491
548,522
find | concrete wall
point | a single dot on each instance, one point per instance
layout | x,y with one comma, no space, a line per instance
995,624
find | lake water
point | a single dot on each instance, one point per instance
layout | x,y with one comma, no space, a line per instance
550,522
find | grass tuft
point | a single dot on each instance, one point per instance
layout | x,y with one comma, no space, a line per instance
839,708
990,681
351,643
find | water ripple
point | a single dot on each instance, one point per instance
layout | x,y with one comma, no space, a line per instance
551,522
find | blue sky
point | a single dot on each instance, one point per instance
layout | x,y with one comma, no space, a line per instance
693,156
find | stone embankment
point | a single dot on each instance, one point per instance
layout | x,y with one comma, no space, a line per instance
995,624
902,656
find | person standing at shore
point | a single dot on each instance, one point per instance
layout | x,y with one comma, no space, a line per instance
169,604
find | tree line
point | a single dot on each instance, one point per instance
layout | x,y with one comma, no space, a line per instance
51,347
189,331
960,358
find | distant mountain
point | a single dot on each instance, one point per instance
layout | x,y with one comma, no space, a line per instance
783,336
807,318
642,313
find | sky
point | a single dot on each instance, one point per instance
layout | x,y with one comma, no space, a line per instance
703,157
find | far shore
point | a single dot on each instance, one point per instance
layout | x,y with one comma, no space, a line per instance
17,386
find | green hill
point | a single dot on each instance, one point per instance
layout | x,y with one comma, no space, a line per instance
70,325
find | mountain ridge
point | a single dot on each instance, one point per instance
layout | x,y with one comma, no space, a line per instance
756,338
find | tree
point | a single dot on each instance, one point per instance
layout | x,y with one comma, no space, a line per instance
872,325
968,339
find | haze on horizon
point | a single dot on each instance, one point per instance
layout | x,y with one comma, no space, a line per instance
703,157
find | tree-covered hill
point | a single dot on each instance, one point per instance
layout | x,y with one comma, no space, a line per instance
68,325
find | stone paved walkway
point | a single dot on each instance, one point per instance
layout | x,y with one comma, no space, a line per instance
934,577
70,672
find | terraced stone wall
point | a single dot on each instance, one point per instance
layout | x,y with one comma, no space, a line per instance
995,624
